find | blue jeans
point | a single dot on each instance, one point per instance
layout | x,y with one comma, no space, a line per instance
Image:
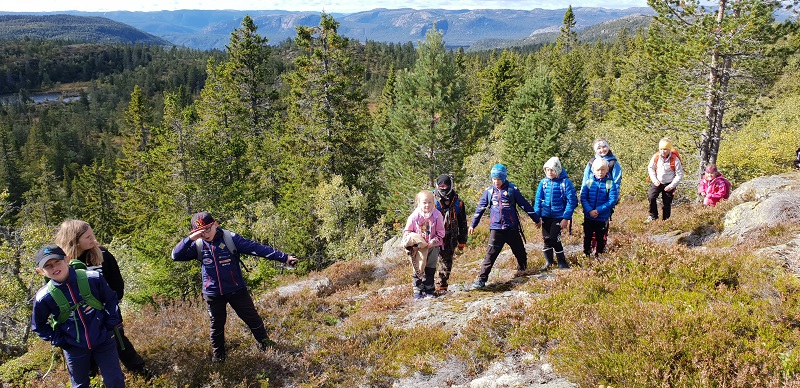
104,355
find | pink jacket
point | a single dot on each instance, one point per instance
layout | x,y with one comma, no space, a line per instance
430,228
714,190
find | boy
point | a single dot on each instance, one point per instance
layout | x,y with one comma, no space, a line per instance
598,198
502,199
455,228
555,202
665,170
223,282
88,333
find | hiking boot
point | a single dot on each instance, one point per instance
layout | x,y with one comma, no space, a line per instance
649,219
430,295
520,273
562,260
548,258
266,343
441,289
418,295
478,285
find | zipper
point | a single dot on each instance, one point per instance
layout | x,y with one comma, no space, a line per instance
79,313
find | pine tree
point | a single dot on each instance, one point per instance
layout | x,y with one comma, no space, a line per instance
569,79
427,125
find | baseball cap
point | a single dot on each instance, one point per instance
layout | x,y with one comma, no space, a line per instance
201,221
48,252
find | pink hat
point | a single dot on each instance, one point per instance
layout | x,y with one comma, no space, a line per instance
712,168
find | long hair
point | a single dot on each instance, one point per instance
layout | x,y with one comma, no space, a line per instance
67,238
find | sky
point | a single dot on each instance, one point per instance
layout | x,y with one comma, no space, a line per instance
330,6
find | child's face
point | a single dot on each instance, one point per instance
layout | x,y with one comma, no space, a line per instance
426,203
55,269
600,173
601,149
550,173
709,176
497,182
87,241
664,152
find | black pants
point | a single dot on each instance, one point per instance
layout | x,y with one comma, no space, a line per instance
129,357
445,262
666,197
498,238
598,230
551,234
242,304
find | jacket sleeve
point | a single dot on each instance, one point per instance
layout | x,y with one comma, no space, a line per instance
253,248
526,206
702,187
716,190
110,303
438,227
651,169
587,175
462,223
613,198
185,250
410,224
112,273
482,204
616,175
585,192
537,202
572,200
42,309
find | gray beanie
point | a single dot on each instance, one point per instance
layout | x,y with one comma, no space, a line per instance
554,164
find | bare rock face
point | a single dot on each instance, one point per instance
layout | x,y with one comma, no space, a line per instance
767,201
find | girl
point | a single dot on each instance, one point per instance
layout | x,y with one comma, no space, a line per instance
713,186
428,224
77,240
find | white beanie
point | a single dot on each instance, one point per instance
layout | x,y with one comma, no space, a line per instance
554,164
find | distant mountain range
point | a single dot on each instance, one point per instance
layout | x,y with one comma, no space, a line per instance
462,28
73,28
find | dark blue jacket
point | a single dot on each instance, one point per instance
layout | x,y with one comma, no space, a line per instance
601,195
86,327
556,198
502,205
221,269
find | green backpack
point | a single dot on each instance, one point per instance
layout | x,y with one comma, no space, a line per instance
65,309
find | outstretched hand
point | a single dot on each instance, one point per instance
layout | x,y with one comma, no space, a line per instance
470,231
291,261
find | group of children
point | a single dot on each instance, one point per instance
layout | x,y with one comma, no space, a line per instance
426,232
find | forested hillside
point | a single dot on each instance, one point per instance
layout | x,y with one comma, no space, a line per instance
317,146
73,28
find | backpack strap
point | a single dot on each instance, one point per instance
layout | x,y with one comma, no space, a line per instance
609,183
86,292
227,237
64,307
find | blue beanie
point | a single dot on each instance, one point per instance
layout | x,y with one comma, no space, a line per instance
499,172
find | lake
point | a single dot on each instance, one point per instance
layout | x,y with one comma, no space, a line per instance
38,98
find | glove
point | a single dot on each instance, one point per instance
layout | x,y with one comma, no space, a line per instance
460,249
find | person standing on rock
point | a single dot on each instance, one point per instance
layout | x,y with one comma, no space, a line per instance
455,228
425,228
502,199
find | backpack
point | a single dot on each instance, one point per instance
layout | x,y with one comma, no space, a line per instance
727,188
65,309
226,236
673,155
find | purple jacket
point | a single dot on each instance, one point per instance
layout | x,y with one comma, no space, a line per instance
502,204
221,269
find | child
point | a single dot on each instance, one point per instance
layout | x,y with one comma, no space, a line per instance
223,283
455,227
428,224
713,186
502,199
87,334
665,170
598,198
555,202
77,240
603,150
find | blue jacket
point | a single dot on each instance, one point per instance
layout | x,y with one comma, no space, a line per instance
85,327
556,198
601,195
221,269
502,205
615,173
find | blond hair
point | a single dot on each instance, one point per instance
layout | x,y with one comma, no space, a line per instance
427,194
67,238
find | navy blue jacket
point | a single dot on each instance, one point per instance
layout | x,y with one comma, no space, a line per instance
86,326
556,198
599,195
221,270
502,205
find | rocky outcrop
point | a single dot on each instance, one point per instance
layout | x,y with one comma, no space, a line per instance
767,201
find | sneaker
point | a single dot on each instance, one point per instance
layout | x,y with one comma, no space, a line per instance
430,295
649,220
478,285
520,273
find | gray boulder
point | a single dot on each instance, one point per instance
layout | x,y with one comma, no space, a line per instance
767,201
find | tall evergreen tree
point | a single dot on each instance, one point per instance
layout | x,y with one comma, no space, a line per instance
427,124
569,79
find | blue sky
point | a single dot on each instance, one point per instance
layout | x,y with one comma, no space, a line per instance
344,6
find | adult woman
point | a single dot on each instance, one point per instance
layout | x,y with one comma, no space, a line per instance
77,240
